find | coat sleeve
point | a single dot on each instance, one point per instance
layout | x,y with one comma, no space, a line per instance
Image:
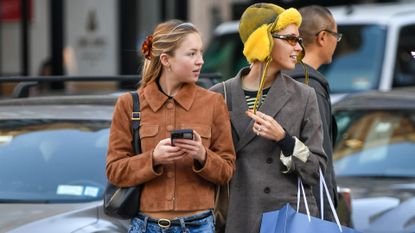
310,141
220,159
123,167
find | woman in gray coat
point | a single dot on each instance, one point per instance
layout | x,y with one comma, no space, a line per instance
276,125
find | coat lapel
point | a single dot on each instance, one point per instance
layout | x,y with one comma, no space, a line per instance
277,97
239,119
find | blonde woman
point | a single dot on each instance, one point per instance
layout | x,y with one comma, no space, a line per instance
178,180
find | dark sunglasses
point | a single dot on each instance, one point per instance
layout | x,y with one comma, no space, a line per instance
291,39
335,34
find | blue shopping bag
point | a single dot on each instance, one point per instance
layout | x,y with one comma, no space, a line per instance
288,220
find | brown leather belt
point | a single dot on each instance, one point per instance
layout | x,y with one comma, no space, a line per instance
166,223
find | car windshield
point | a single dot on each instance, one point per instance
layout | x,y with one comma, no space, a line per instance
375,143
357,61
52,160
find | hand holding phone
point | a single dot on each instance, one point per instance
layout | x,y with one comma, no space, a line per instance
181,134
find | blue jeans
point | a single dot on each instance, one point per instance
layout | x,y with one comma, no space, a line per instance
198,223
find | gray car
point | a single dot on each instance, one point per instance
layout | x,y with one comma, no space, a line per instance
52,164
375,157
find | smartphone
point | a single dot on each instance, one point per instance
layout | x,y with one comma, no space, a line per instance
181,134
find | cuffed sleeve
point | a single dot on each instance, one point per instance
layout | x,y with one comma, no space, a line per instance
300,151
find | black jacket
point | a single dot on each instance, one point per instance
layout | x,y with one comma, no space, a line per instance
322,88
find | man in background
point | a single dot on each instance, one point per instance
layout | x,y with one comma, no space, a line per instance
319,32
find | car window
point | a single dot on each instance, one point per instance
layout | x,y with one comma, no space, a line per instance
404,74
357,61
52,161
224,55
375,143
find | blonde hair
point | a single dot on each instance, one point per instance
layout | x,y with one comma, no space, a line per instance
167,37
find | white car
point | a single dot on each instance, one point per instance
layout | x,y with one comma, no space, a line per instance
374,53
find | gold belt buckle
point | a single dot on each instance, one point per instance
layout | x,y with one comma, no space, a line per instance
164,223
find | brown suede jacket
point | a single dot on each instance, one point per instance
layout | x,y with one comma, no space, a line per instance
183,185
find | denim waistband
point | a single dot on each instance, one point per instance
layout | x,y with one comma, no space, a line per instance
187,220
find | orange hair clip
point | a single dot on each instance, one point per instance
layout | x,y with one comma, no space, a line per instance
146,47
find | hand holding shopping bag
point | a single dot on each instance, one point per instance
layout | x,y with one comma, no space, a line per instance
288,220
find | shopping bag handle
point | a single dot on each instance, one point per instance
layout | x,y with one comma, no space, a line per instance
333,210
300,188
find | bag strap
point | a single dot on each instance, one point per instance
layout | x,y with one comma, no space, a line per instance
228,96
300,188
333,210
136,118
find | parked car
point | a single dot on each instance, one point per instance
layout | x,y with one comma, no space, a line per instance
52,164
52,156
374,53
374,157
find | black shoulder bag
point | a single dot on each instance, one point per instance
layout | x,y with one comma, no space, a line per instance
124,203
222,192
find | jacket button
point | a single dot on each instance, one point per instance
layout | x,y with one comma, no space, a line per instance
169,128
267,190
169,105
269,160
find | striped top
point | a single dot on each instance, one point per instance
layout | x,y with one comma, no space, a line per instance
251,95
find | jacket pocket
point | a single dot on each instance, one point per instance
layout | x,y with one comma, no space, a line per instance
148,131
148,136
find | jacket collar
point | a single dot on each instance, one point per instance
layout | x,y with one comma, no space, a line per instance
298,72
156,99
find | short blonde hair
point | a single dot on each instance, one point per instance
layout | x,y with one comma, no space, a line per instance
315,18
